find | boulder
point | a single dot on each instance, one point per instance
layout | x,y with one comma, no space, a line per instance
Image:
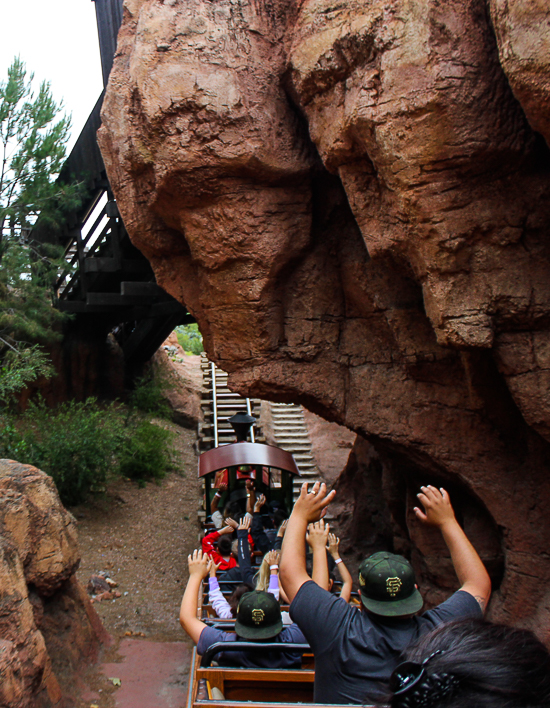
47,624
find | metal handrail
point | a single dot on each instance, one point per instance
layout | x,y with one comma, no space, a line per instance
249,411
214,403
261,647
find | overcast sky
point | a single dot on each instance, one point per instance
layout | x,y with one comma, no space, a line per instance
57,39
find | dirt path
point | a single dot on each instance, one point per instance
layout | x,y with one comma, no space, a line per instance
142,537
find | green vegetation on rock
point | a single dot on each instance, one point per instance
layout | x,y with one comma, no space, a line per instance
190,338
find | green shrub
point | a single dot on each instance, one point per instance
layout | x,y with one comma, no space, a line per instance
75,443
82,445
147,395
13,445
20,368
190,338
145,452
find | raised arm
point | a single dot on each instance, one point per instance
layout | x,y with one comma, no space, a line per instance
215,596
468,566
247,573
216,498
347,580
209,541
199,566
280,536
317,536
259,536
250,496
309,507
273,559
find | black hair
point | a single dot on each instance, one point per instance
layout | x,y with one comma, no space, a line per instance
469,663
236,595
223,544
279,515
232,509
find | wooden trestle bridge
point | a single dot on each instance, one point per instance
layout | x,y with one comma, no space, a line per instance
109,285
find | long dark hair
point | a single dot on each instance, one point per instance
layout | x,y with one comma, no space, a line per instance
469,663
234,598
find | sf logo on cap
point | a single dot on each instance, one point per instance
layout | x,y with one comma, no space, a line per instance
257,616
393,585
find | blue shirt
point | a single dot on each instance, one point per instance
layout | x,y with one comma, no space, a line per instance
269,660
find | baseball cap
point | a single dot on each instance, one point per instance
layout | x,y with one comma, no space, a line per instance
387,585
258,616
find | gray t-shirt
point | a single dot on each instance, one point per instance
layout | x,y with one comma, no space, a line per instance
356,651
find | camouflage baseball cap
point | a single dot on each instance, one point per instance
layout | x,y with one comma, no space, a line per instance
258,616
387,585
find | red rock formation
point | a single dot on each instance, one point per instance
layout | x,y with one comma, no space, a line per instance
352,201
523,35
181,378
47,624
330,446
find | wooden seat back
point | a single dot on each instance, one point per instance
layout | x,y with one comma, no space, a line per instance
250,688
281,685
264,704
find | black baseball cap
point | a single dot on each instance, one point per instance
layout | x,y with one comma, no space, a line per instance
388,586
258,616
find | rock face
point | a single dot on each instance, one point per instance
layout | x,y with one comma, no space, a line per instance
523,33
182,382
330,446
47,625
354,203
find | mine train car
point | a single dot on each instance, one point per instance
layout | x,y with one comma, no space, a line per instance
213,686
271,468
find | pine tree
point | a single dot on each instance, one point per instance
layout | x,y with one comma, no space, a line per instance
33,137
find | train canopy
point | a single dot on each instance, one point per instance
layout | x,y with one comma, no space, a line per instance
246,453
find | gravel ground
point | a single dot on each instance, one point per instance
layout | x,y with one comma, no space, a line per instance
141,537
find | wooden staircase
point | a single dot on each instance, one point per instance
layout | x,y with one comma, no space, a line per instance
218,404
290,432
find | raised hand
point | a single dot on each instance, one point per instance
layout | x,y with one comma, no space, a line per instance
199,564
333,545
230,525
312,505
437,507
272,557
213,568
282,528
317,534
259,502
245,523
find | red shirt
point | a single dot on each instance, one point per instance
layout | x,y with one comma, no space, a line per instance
209,546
